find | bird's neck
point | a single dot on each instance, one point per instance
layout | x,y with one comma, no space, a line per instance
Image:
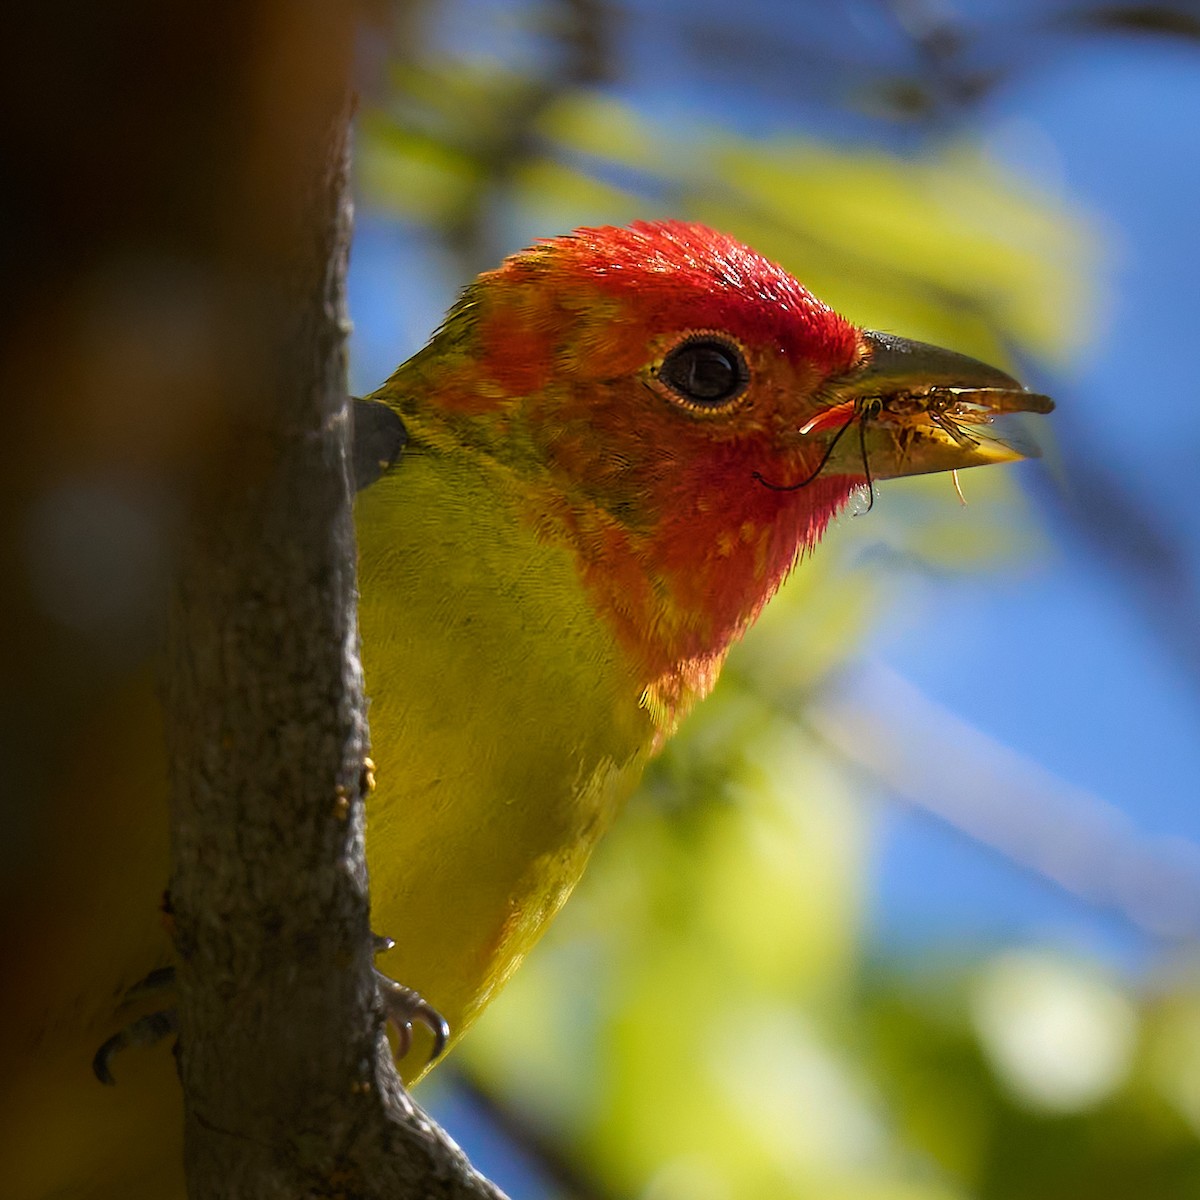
679,574
681,589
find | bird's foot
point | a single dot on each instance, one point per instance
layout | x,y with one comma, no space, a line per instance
145,1031
402,1006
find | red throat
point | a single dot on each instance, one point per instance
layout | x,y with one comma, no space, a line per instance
681,593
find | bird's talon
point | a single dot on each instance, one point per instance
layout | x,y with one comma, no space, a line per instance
402,1006
145,1031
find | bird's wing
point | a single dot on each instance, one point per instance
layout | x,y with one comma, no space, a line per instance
379,438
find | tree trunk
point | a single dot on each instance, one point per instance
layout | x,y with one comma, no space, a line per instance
180,205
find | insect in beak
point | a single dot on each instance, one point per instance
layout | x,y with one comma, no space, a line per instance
919,409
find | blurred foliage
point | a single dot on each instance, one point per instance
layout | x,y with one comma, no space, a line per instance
943,246
704,1020
702,1023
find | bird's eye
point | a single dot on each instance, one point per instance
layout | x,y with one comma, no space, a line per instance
706,372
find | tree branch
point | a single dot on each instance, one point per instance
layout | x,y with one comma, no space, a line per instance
289,1085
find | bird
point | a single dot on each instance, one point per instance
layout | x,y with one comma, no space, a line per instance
619,443
572,502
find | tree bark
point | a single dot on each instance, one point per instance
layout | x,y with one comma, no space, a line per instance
175,350
289,1085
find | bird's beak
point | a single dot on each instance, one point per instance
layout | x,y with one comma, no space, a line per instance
912,409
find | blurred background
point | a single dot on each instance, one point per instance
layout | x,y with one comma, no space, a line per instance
910,909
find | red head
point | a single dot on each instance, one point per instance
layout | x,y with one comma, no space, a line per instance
637,382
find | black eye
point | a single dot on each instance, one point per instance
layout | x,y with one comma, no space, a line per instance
705,371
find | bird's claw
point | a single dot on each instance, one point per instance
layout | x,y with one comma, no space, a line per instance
145,1031
402,1006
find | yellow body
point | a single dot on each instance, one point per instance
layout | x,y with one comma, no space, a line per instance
505,724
